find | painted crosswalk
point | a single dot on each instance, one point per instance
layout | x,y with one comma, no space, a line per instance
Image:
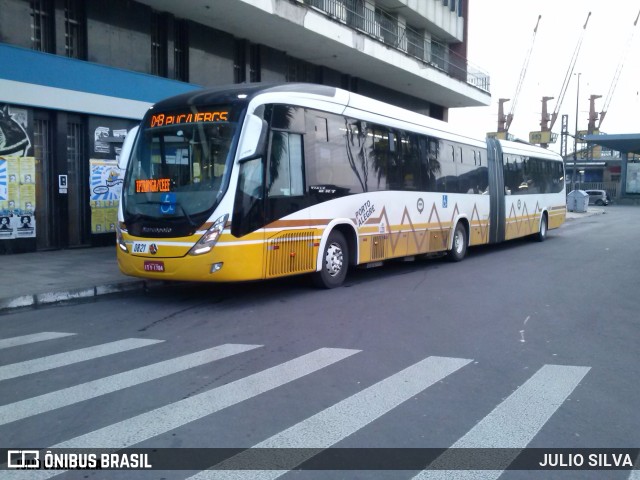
32,338
512,424
342,419
68,358
68,396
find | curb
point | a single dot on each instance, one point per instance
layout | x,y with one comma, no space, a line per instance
571,215
47,298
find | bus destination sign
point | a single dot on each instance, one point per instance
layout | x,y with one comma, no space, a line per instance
164,119
153,185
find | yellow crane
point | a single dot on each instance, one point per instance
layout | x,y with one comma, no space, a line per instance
616,77
592,127
544,137
504,121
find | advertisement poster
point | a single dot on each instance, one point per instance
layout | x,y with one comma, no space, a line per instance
17,176
17,197
105,187
633,178
105,178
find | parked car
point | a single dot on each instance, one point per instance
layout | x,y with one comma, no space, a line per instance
598,197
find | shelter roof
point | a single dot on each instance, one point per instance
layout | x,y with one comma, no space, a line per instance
626,143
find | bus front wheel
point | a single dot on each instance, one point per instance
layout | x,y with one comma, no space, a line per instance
459,245
335,262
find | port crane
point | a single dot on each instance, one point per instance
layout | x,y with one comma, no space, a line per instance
504,121
544,137
593,116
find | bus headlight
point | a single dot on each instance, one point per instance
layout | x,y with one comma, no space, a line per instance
209,239
120,240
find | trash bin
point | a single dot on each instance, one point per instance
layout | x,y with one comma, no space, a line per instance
577,201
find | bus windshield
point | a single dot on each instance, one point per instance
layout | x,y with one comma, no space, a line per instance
179,167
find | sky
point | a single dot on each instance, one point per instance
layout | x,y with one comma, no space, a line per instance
501,34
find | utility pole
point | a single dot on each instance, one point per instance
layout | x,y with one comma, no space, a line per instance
575,138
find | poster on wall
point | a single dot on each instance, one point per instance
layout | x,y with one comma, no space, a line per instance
633,178
105,178
17,176
105,186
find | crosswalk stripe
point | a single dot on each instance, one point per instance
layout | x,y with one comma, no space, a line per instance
340,420
69,396
63,359
164,419
33,338
514,422
635,474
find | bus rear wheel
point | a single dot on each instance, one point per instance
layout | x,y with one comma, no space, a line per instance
459,245
335,262
541,236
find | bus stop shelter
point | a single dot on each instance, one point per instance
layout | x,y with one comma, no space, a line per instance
626,144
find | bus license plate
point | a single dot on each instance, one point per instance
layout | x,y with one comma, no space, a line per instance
153,266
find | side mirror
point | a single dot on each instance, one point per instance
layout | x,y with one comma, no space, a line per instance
253,139
127,147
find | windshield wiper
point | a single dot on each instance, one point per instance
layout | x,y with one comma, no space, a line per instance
191,222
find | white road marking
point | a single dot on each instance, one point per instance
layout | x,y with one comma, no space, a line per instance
340,420
635,474
33,338
164,419
69,396
514,422
68,358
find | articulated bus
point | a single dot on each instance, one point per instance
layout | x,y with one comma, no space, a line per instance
262,181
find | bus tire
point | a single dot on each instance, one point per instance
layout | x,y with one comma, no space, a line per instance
335,262
541,236
459,244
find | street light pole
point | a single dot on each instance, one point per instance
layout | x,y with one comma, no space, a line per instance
575,138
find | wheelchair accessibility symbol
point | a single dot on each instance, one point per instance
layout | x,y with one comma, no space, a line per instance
168,204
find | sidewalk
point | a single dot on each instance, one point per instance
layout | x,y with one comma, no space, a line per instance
591,211
48,277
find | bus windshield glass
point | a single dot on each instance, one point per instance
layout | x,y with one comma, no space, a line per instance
179,165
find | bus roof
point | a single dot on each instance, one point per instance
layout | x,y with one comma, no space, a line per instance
245,91
519,148
249,91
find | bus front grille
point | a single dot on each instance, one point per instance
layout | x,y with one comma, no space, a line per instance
291,253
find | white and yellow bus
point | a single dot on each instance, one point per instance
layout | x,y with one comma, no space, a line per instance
256,182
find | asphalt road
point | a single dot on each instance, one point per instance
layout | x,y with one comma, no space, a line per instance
523,344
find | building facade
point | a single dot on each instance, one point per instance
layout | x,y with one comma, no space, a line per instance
76,75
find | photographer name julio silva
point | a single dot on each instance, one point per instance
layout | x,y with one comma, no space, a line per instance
592,460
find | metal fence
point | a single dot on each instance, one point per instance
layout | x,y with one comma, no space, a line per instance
386,28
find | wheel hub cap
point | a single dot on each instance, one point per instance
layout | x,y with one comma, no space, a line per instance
333,259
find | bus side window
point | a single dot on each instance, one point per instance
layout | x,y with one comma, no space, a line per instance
285,175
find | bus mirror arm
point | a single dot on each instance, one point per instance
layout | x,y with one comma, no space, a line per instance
255,138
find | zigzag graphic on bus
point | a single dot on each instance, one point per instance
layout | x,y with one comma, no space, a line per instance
524,218
395,237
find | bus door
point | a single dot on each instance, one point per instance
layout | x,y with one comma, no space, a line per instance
248,215
289,237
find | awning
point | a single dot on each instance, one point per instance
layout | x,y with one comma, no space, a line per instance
624,143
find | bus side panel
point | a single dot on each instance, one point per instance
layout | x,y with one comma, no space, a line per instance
557,212
523,215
